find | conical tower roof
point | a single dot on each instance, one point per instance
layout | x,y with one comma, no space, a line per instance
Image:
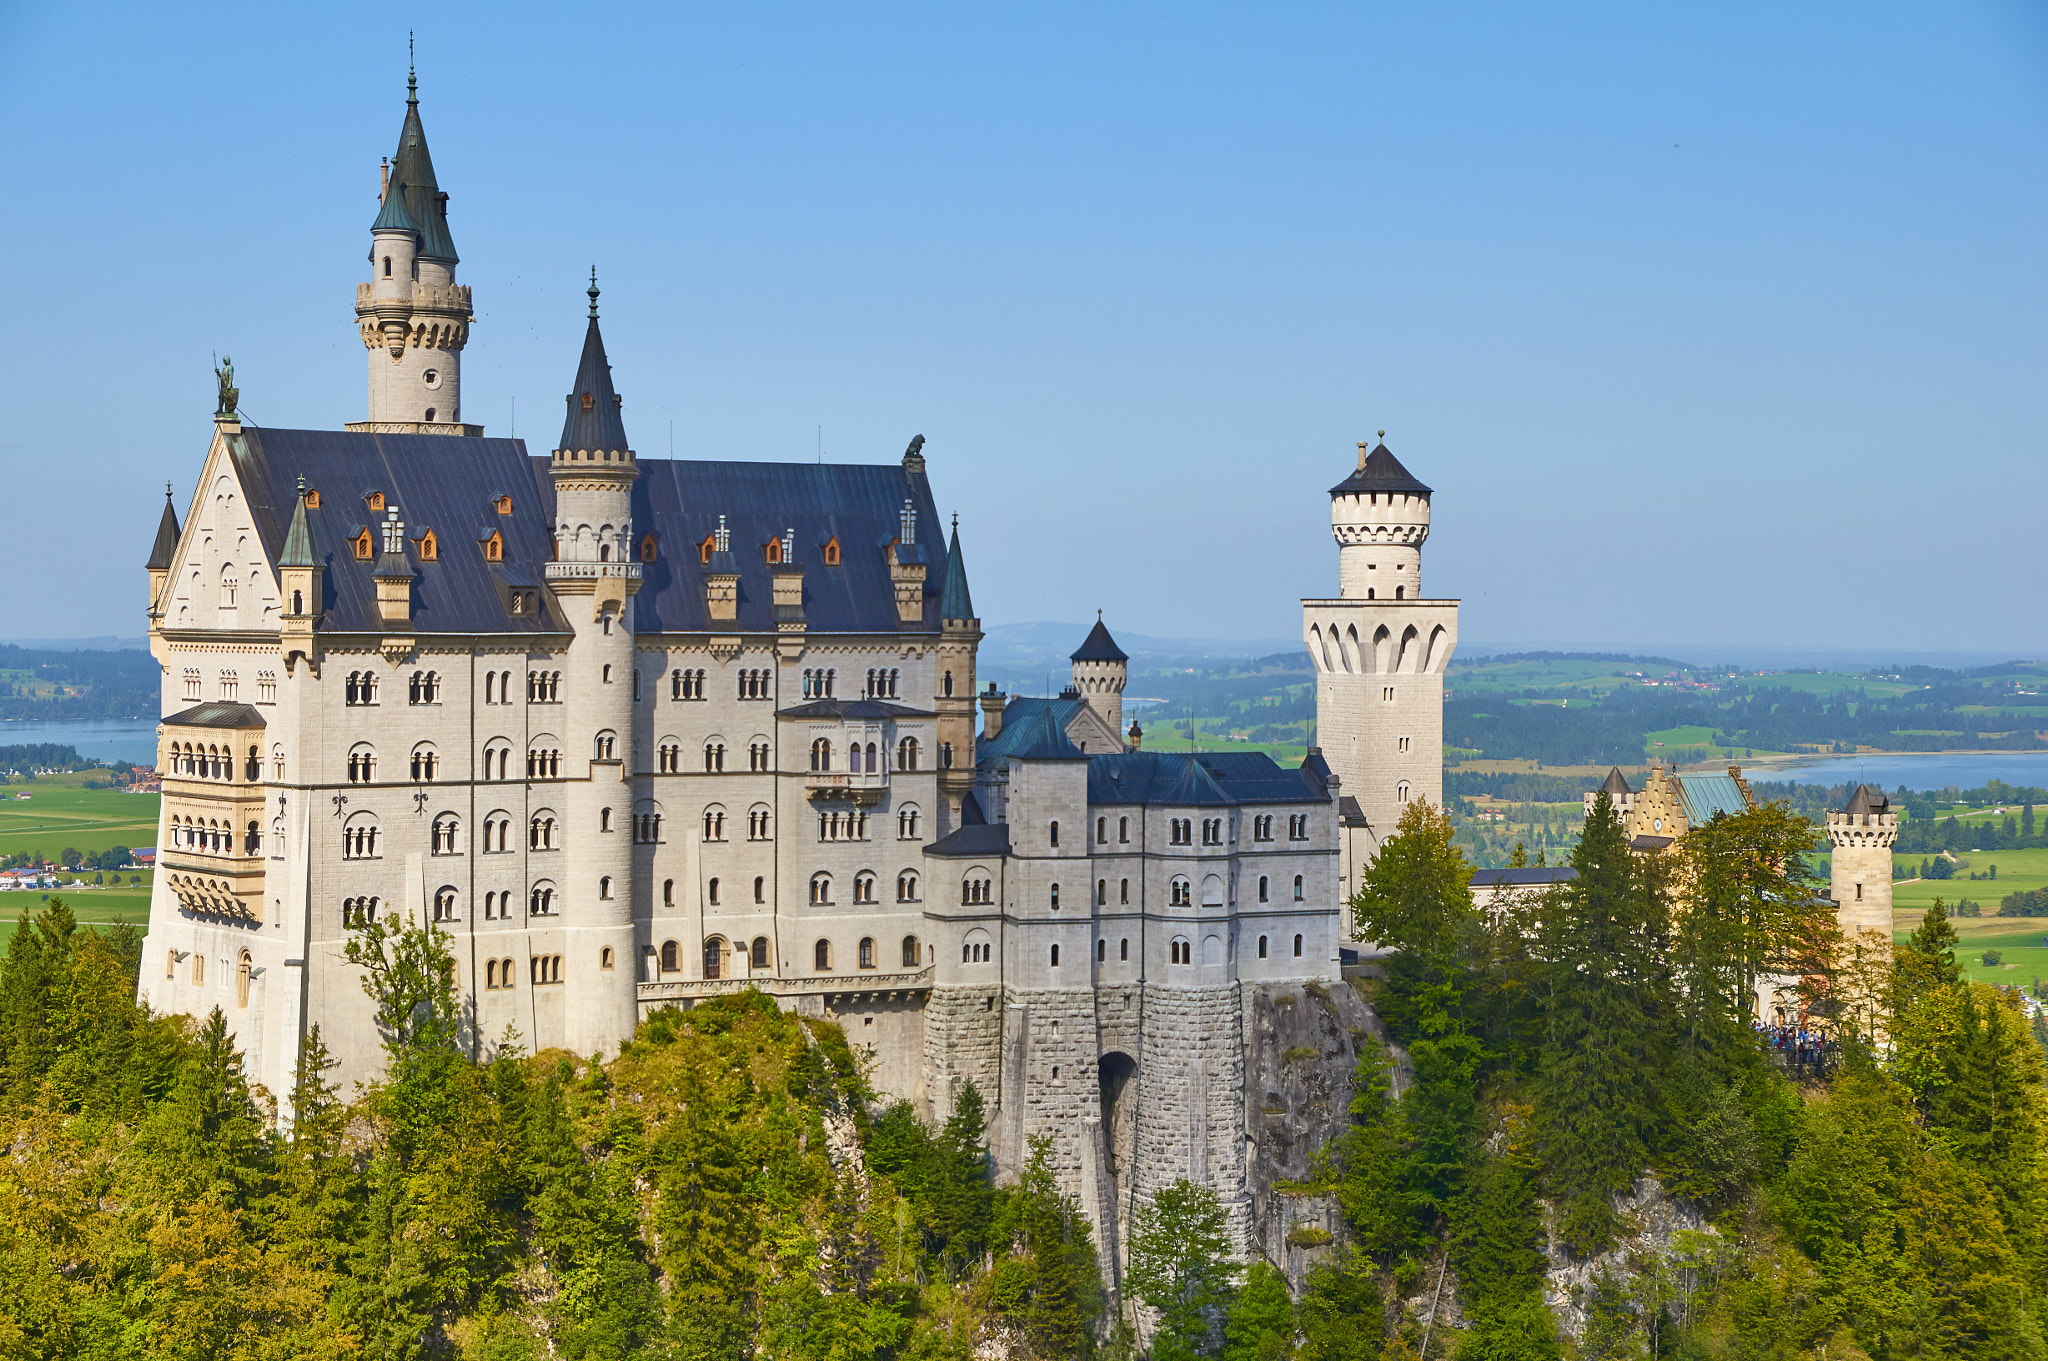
593,422
956,603
413,167
166,547
1098,646
393,217
298,541
1867,800
1616,784
1380,471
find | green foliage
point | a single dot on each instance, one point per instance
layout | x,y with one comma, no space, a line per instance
1260,1326
1180,1266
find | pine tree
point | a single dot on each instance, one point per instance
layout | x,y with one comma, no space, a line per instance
1603,1003
1260,1326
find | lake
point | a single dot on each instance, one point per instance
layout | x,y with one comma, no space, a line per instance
97,739
1933,770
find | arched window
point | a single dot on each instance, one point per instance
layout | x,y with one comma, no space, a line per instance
1055,897
446,828
242,971
1124,949
541,901
714,957
1297,947
1101,951
1262,888
946,687
1053,833
1055,956
759,958
853,762
670,956
906,754
1262,947
1297,888
760,889
821,754
1123,891
821,888
906,823
1102,831
604,888
912,957
1401,792
711,891
1123,829
867,952
821,956
444,904
604,819
1102,892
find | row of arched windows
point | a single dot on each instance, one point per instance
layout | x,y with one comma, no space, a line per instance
543,687
196,761
360,687
819,682
882,683
686,684
208,836
425,688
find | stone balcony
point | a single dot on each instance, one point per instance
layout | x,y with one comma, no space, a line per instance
832,989
592,571
865,787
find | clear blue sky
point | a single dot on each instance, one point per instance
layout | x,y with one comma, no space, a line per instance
1707,323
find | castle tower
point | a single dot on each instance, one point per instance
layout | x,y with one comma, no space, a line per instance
413,316
1379,651
959,635
163,555
1100,670
595,577
1860,838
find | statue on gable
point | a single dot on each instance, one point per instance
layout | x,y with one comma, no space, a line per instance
224,374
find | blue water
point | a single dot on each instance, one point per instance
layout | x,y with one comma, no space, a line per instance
1936,770
97,739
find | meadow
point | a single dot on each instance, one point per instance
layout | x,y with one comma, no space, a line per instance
62,813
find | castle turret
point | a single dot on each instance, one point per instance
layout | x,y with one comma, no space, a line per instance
1860,839
413,316
595,577
1100,670
959,636
162,555
1379,651
301,576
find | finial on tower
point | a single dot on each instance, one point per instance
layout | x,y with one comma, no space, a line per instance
593,292
412,78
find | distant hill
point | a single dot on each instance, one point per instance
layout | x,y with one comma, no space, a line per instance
50,685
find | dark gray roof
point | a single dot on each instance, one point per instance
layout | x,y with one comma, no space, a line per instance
166,546
1098,646
1616,784
1647,842
1868,800
1315,767
973,842
680,500
1554,874
1034,732
1349,812
217,715
1217,779
412,167
593,421
444,480
956,603
852,708
1381,471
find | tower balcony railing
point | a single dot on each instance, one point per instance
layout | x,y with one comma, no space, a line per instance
853,783
592,571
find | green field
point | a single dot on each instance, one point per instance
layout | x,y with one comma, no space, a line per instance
61,812
2024,940
92,906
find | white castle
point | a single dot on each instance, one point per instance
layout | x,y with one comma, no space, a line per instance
635,733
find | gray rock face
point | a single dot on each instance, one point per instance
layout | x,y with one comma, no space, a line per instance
1301,1053
1660,1235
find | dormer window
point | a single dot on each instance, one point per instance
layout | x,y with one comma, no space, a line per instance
494,547
504,505
705,549
430,547
363,546
375,501
647,548
832,552
589,402
312,498
773,552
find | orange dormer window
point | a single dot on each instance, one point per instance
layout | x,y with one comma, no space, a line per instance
363,546
494,547
705,548
589,402
773,552
375,500
430,547
312,498
832,551
647,548
504,505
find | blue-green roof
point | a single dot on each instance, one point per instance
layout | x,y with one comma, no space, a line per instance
955,603
392,217
1034,729
1706,795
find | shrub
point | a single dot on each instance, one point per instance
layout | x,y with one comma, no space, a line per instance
1300,1053
1993,958
1308,1236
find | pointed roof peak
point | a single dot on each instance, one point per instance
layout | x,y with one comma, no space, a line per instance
413,166
1378,471
955,602
412,75
1099,646
298,541
1615,783
392,217
166,547
1867,800
594,421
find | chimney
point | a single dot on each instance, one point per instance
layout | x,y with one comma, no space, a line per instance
1136,736
907,524
992,702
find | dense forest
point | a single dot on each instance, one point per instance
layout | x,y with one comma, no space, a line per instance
729,1186
47,685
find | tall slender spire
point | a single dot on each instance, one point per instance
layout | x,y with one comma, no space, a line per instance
166,547
955,603
298,541
593,422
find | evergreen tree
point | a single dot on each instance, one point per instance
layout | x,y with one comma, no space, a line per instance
1341,1315
1604,1003
1261,1322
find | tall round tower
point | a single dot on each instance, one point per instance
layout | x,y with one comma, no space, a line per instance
1379,651
1100,671
1860,839
595,577
414,318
